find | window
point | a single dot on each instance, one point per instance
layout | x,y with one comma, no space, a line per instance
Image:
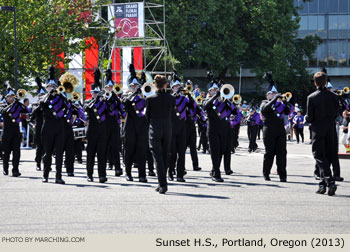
322,55
342,50
303,23
313,6
342,22
304,7
333,22
343,6
332,53
333,6
322,6
321,23
312,23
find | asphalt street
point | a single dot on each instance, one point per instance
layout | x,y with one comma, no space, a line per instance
243,204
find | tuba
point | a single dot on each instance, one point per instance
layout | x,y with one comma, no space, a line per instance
118,88
226,92
346,90
147,89
237,99
21,93
69,82
199,100
287,96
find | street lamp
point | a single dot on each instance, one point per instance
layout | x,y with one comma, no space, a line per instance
10,8
240,77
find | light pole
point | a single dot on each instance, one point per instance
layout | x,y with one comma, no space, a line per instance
10,8
240,78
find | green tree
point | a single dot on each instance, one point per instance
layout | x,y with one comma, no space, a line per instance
261,34
43,26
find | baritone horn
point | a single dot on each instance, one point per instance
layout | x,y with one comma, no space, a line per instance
199,100
61,89
118,88
226,92
21,93
237,99
346,90
287,96
147,89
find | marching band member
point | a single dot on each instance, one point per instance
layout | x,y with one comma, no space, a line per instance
115,111
218,113
11,110
78,143
191,135
235,121
53,105
274,133
159,111
253,122
298,125
37,118
178,141
97,110
135,128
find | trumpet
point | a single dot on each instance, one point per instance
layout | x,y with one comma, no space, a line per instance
339,92
21,93
226,92
107,95
118,88
188,88
237,99
287,96
346,90
61,89
199,100
75,96
147,90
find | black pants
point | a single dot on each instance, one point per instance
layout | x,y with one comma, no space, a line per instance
191,139
178,149
78,148
11,142
275,145
136,141
69,148
159,141
149,159
53,141
324,150
203,138
228,149
39,145
113,138
96,144
235,134
299,132
252,134
218,141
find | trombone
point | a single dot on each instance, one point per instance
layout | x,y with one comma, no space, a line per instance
237,99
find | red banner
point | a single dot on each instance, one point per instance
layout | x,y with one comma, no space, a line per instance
116,65
91,62
138,59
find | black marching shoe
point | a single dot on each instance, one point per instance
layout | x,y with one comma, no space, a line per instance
229,172
38,168
321,189
80,161
217,179
60,181
118,172
179,179
151,173
90,179
103,179
129,178
162,190
5,173
197,168
331,190
70,174
45,180
283,180
110,167
267,178
185,172
250,150
338,178
143,180
16,174
171,176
